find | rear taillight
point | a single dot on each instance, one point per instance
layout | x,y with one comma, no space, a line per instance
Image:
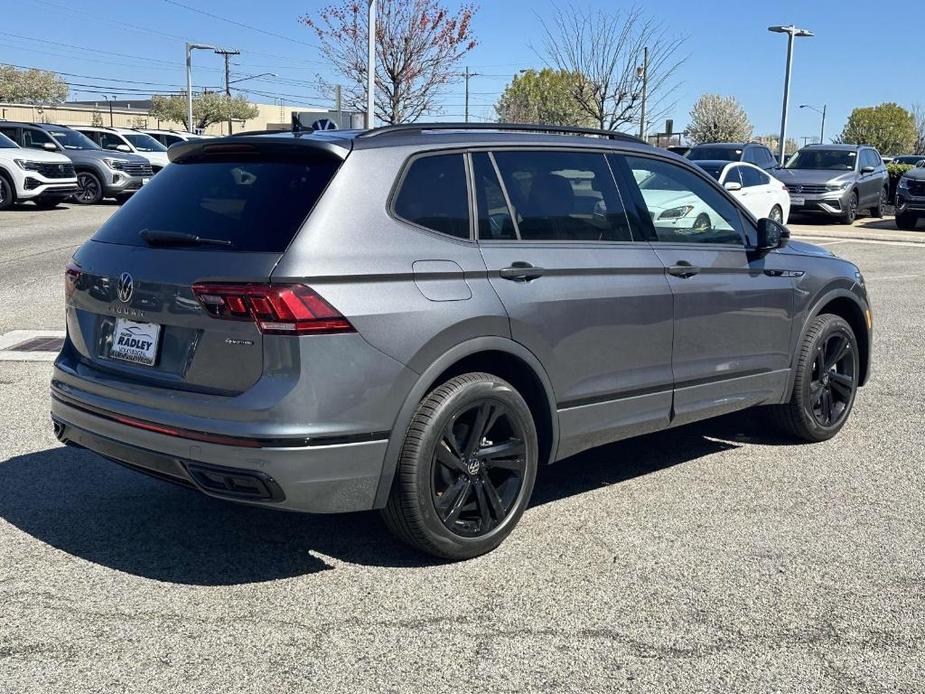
71,275
285,309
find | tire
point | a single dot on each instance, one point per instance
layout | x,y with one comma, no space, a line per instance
7,193
47,203
850,214
776,214
906,221
826,384
449,497
878,210
89,189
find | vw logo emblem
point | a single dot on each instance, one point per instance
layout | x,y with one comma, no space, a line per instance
474,466
126,287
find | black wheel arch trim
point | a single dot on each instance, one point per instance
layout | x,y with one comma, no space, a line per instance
840,289
426,380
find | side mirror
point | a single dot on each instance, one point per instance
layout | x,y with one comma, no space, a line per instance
50,146
732,186
868,169
123,148
771,235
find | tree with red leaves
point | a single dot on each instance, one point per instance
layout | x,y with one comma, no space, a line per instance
419,45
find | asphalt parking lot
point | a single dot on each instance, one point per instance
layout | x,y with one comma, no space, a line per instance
717,557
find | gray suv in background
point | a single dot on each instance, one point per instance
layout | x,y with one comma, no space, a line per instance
100,173
415,318
836,180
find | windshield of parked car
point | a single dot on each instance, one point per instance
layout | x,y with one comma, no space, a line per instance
715,169
722,153
144,143
71,139
823,159
7,143
909,159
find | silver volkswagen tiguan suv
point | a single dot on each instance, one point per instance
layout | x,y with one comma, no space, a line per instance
414,318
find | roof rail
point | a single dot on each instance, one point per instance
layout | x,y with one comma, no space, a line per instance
506,127
256,132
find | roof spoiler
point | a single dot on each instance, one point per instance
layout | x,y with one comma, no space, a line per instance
256,147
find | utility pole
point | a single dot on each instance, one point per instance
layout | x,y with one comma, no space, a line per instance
643,72
468,76
226,53
339,106
371,67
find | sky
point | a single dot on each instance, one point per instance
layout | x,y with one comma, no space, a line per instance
130,48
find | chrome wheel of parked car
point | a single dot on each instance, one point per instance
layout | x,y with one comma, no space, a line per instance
89,189
466,470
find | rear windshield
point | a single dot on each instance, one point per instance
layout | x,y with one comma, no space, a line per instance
722,153
713,168
255,206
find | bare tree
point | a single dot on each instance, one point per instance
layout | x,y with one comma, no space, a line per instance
607,51
716,118
918,112
419,44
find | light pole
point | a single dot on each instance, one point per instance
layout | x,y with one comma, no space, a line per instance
371,66
189,79
791,32
109,101
642,73
822,130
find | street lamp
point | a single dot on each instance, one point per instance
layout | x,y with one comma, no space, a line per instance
371,66
813,108
109,101
189,78
791,32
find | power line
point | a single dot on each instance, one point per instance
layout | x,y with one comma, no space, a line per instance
105,79
240,24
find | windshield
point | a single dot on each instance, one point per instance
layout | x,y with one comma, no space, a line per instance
712,168
722,153
144,143
823,159
7,143
71,139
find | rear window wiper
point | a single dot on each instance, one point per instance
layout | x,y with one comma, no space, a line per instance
154,237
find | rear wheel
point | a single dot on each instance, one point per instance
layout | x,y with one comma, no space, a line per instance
466,470
776,214
878,209
906,221
89,189
851,210
826,381
7,196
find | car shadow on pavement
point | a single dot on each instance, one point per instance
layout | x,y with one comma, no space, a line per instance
103,513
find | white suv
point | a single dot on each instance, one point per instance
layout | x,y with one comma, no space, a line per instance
171,137
46,178
128,140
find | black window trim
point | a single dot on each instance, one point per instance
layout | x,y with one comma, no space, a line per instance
646,218
603,151
400,181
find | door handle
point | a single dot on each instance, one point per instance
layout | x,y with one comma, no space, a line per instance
682,269
521,272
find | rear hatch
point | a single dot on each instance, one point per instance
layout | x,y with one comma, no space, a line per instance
151,298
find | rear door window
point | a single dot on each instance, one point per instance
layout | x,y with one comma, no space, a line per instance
752,177
253,205
434,195
563,196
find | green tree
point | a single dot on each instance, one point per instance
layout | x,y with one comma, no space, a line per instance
888,127
31,86
716,118
208,108
544,96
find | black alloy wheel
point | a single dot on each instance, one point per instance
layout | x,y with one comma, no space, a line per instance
832,386
6,194
851,211
884,199
478,468
89,189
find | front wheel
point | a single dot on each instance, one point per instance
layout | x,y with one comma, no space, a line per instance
466,470
826,381
776,214
851,210
89,189
7,196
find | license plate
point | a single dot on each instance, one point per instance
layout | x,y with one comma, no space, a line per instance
797,200
135,342
144,180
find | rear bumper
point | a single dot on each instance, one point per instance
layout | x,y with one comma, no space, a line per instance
329,478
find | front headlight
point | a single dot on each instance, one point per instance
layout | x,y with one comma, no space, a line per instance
27,165
838,186
676,212
904,182
115,164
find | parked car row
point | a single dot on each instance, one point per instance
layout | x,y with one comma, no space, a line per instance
47,163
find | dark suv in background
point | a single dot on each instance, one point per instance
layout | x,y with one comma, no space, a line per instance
414,318
100,173
750,152
836,180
